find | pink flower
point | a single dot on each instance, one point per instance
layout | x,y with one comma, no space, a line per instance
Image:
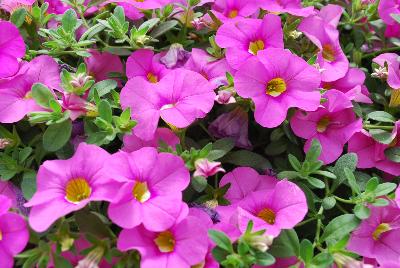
56,6
377,237
12,47
371,153
175,57
393,68
64,186
15,94
385,9
292,7
133,8
12,5
100,65
397,198
75,104
151,188
321,30
245,180
212,69
133,143
14,234
332,125
225,97
178,98
7,189
143,63
272,209
235,125
182,245
206,168
277,80
226,10
245,38
352,85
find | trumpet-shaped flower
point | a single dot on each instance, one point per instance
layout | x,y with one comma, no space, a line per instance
385,10
277,80
144,64
64,186
390,60
14,234
100,65
332,125
226,10
12,47
184,244
151,188
292,7
178,98
245,38
165,135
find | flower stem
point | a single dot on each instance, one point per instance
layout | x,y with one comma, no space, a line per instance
368,126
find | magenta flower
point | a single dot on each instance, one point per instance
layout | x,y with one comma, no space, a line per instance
15,94
12,47
57,6
100,65
371,154
272,209
133,143
226,10
182,245
321,30
12,5
245,180
206,168
397,198
332,125
7,189
277,80
151,188
175,57
393,75
352,85
225,97
292,7
245,38
64,186
235,125
178,98
378,236
212,69
14,234
142,63
385,9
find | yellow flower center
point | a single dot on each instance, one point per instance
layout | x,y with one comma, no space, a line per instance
139,1
395,98
77,190
199,265
328,52
152,78
267,215
141,192
233,14
382,228
323,124
276,87
327,86
256,46
165,242
1,235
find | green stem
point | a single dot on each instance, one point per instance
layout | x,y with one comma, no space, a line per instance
319,224
376,53
305,222
368,126
344,200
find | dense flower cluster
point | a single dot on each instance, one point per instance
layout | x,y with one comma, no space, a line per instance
199,133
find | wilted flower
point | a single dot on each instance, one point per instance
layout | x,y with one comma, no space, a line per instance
176,56
206,168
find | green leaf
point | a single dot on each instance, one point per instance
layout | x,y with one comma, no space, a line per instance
105,110
306,251
24,154
28,184
345,161
396,17
149,24
69,21
380,202
385,188
362,212
18,17
57,135
220,148
371,185
163,28
314,151
352,180
393,154
328,202
103,87
199,183
247,159
42,95
339,227
316,182
286,244
382,136
221,240
89,222
327,174
381,116
264,259
322,260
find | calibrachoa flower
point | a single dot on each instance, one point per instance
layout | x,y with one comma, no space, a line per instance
178,98
7,189
12,47
225,97
143,63
245,38
14,234
277,80
226,10
392,63
371,154
206,168
332,125
292,7
12,5
165,135
64,186
184,244
281,207
321,30
100,65
151,188
385,9
377,236
15,94
235,125
212,69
